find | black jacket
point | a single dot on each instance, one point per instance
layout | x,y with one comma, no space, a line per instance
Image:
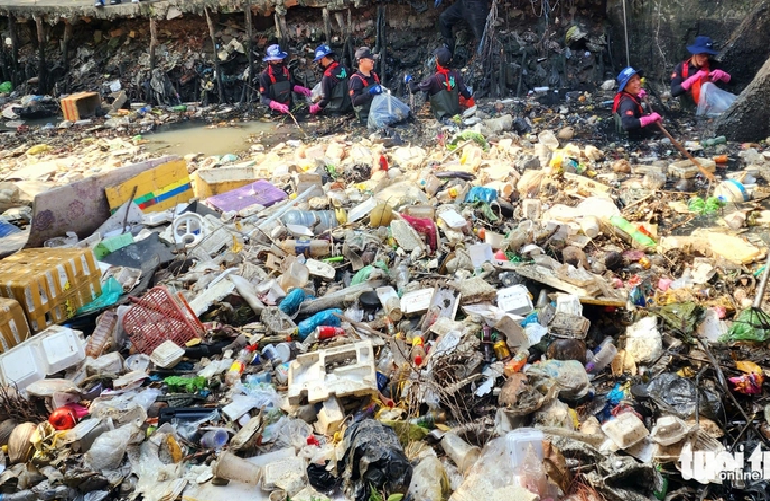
357,83
681,74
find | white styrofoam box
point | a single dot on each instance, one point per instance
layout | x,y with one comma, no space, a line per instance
515,300
61,347
417,301
51,351
168,353
569,304
519,441
346,370
22,365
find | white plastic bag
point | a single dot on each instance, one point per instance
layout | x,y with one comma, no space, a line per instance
318,92
107,451
386,110
713,100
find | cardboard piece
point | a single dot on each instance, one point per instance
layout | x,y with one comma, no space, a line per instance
157,189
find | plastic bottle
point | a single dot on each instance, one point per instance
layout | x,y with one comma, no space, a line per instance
102,334
295,276
386,364
515,364
237,367
603,357
214,439
402,277
310,248
715,141
637,236
418,354
319,220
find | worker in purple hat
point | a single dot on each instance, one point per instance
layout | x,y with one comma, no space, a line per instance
692,73
276,84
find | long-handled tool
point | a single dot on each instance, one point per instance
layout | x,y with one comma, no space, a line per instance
686,153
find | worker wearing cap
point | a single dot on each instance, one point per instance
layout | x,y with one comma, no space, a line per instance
364,84
446,90
628,106
691,74
276,84
334,84
473,12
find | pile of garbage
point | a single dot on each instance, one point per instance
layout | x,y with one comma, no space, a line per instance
492,316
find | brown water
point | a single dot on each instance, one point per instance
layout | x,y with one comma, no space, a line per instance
198,138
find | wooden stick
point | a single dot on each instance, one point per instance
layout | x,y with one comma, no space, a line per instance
42,68
217,68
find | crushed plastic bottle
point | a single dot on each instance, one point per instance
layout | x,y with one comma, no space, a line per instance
603,356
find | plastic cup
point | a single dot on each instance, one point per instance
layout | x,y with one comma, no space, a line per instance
214,439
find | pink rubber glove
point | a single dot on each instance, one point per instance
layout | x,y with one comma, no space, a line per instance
702,74
719,75
303,90
314,108
279,107
642,94
648,119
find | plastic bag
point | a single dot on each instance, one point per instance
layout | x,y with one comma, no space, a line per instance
108,449
386,110
748,326
287,432
111,292
373,459
318,92
713,100
122,408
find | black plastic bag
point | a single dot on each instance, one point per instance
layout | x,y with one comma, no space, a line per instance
373,459
320,478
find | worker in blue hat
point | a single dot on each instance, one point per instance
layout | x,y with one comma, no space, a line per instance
446,90
276,84
334,84
627,108
699,68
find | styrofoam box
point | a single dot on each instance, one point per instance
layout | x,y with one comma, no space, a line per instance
22,365
61,347
51,351
520,440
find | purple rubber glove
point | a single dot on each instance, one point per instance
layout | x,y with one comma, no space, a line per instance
648,119
279,107
642,94
719,75
303,90
314,109
701,75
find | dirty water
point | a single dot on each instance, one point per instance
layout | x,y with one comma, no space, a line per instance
184,139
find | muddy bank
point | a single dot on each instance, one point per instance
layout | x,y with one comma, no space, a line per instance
563,49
